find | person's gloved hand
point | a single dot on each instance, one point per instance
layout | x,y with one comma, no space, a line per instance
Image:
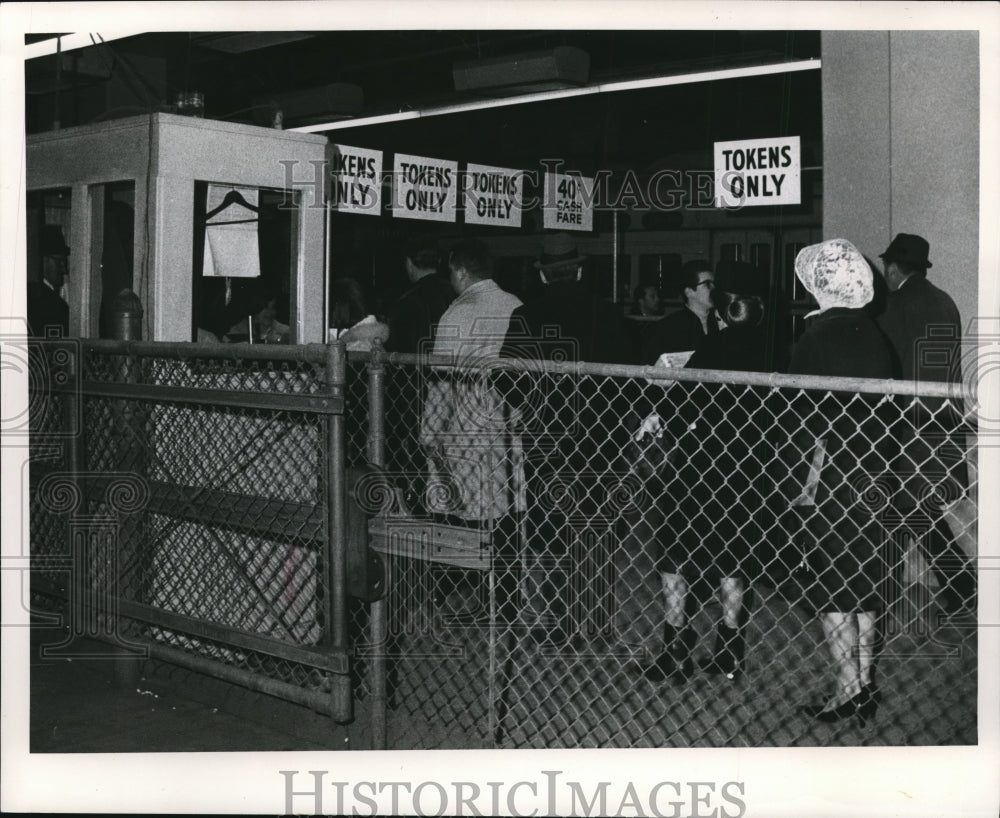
651,426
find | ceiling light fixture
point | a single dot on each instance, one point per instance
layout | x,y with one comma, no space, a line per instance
563,93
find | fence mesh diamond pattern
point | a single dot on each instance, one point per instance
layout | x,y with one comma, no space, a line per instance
575,555
593,536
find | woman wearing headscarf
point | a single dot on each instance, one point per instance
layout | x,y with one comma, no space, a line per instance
837,456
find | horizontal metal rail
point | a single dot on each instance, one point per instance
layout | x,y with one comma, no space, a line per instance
336,706
334,662
277,401
314,353
666,375
301,353
239,512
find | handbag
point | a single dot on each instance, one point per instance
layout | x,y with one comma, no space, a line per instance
796,563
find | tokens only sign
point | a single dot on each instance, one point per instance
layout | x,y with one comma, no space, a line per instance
492,195
569,202
424,188
758,172
355,180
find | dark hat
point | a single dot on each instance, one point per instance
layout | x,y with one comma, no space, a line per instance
558,250
908,248
740,277
52,241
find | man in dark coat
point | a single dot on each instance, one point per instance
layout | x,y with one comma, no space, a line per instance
563,421
413,321
47,310
683,329
713,494
413,318
924,328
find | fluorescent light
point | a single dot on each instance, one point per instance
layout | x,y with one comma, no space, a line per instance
350,123
564,93
712,76
72,41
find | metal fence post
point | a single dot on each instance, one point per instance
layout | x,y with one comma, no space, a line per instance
81,573
127,314
379,630
334,379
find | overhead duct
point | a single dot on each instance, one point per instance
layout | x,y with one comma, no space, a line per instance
537,70
338,100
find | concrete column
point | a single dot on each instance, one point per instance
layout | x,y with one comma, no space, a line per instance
901,147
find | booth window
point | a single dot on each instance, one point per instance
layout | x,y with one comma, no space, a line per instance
112,250
245,255
48,215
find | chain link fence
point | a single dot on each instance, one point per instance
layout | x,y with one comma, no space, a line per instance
543,560
189,513
549,533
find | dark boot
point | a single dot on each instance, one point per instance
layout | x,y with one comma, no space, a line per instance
674,664
728,655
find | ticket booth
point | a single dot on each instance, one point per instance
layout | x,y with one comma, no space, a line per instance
131,199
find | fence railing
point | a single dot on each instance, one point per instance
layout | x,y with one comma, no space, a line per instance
542,558
539,554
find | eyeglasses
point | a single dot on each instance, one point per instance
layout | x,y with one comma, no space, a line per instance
707,282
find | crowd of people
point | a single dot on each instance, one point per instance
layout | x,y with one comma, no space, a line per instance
521,446
519,449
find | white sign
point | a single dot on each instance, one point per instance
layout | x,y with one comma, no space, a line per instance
231,222
424,188
569,202
758,172
355,180
493,195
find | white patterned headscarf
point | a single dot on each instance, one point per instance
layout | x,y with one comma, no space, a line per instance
835,273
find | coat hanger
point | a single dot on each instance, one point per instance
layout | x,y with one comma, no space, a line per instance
231,198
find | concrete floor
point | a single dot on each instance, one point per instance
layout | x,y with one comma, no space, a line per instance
78,706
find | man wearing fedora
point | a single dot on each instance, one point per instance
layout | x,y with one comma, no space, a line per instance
46,308
923,326
561,423
568,302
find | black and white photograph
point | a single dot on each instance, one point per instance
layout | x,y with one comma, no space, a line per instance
573,408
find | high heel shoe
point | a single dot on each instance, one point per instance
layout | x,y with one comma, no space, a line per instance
674,664
870,697
862,706
728,656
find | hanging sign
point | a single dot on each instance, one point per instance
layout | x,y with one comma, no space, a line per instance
355,180
492,195
757,172
569,203
424,188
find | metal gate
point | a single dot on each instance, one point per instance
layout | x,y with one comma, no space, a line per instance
184,506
